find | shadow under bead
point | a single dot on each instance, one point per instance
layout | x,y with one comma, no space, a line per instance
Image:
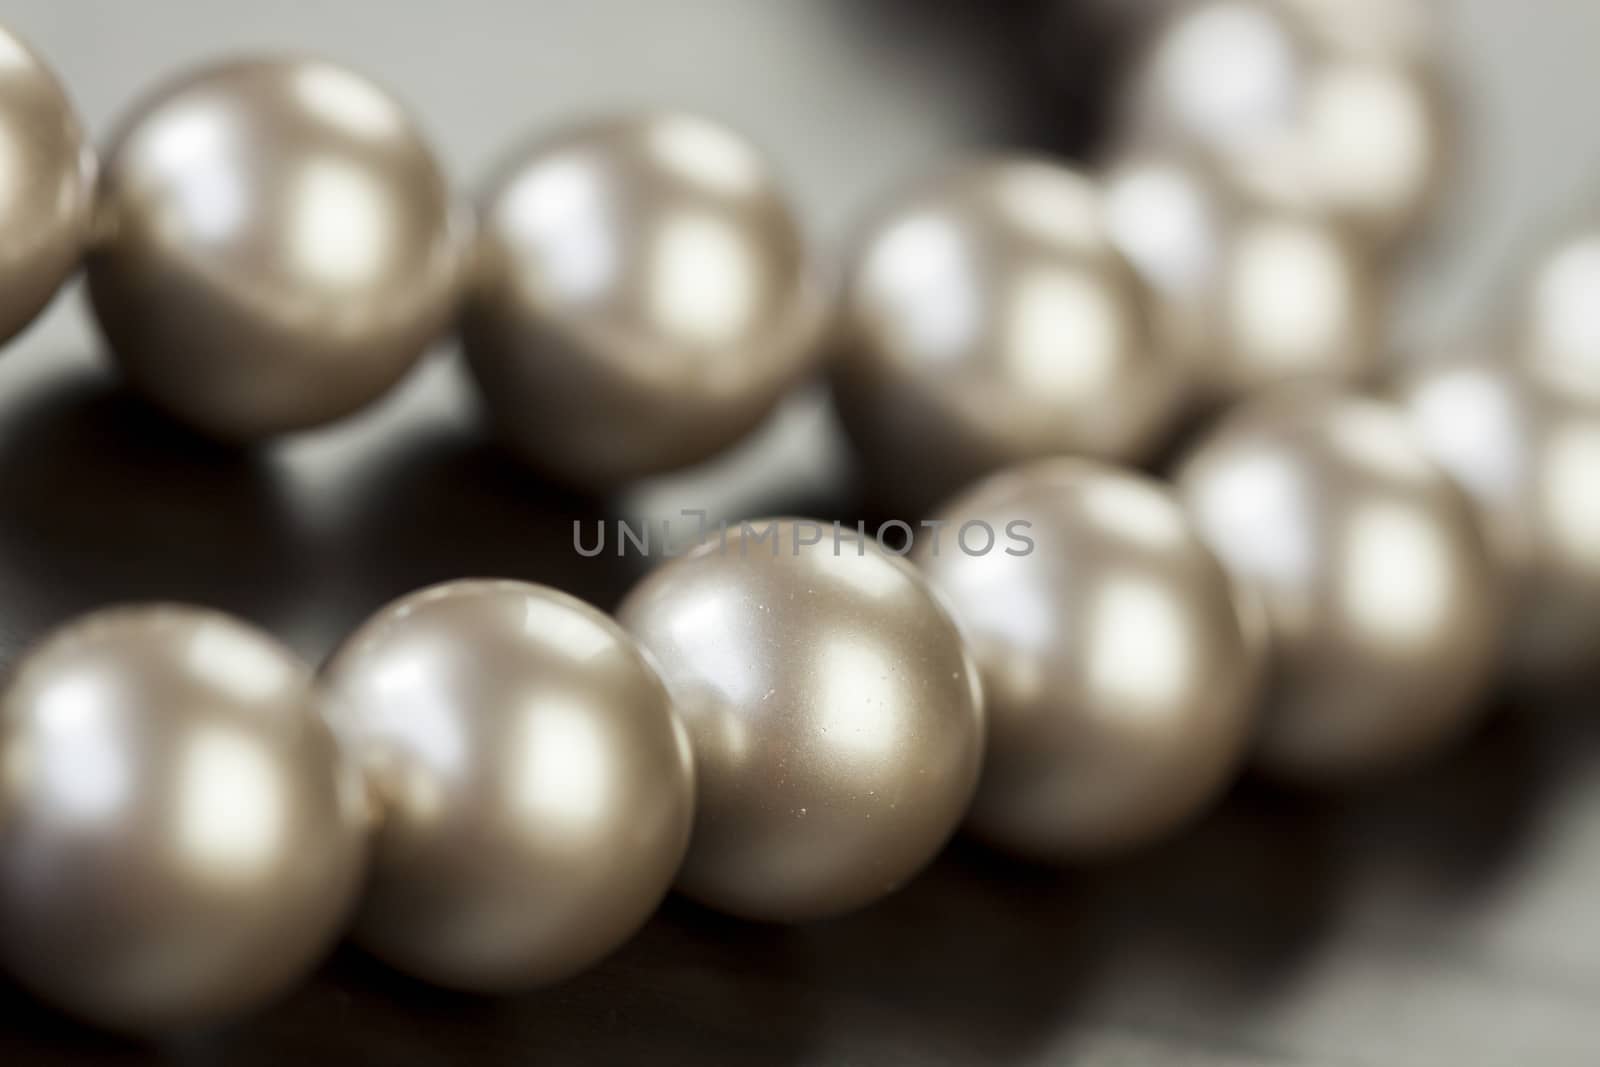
46,171
536,792
1528,456
987,319
1381,598
275,247
1120,678
642,298
835,716
1248,295
183,838
1300,104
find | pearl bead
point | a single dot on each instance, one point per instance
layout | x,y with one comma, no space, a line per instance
1529,457
183,841
45,173
1302,117
274,248
643,297
834,713
1119,676
1248,295
988,320
536,791
1557,316
1380,593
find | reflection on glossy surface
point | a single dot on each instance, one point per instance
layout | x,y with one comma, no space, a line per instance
835,717
1380,593
536,791
642,298
183,838
1119,677
988,320
1309,112
1248,295
45,173
1529,457
1558,319
274,247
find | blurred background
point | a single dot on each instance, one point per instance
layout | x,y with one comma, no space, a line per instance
1445,920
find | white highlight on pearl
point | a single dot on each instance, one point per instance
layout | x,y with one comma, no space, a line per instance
859,700
1048,203
1065,333
1160,219
704,279
1231,72
1139,648
1396,577
564,765
1137,513
922,278
193,151
236,662
1571,498
347,101
704,153
556,215
230,805
78,755
1289,293
338,233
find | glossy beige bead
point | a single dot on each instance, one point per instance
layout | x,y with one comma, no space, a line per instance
1556,318
1529,457
536,792
182,839
835,716
1119,676
642,298
45,174
275,246
1248,295
1297,109
987,320
1380,593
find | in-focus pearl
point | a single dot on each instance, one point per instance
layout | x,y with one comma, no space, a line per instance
1248,295
1302,117
536,791
45,173
642,297
1557,317
1380,593
1529,457
1119,677
988,320
835,716
274,247
182,839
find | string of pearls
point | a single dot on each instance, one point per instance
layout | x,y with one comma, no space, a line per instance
491,785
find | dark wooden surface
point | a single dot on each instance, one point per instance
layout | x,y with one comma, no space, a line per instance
1448,920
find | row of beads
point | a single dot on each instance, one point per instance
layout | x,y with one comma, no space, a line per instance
495,785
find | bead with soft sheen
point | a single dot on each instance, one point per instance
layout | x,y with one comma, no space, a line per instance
988,319
835,716
183,839
1381,596
642,297
535,790
1119,676
275,246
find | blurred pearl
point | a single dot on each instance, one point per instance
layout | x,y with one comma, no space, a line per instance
537,792
183,841
1529,457
45,173
1296,116
1119,677
1248,295
834,713
1558,316
643,297
1398,28
1380,593
274,247
988,320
